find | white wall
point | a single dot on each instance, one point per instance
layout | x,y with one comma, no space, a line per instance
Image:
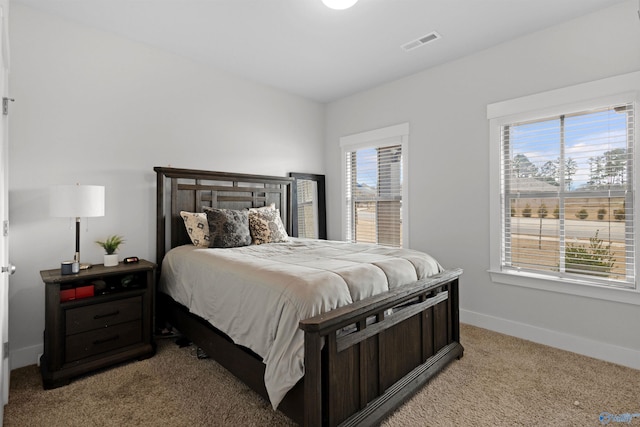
97,109
449,170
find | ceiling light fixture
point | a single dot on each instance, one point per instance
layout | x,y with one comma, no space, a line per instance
339,4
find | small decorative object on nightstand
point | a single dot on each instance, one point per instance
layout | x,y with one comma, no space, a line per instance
96,318
110,246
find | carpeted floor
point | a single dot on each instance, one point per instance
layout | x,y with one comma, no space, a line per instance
500,381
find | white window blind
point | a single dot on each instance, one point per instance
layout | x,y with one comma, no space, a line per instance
374,194
567,195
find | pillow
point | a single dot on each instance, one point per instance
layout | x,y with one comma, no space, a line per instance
271,207
266,226
197,228
228,228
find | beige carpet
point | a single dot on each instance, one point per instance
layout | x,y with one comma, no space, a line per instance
500,381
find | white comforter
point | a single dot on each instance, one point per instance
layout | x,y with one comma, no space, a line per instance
258,294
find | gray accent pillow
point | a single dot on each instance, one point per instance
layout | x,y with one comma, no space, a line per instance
228,228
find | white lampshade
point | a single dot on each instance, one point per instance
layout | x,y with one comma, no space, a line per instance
76,201
339,4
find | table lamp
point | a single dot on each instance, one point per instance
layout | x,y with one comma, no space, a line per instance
77,201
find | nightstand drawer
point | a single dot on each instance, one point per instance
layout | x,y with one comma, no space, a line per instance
104,315
99,341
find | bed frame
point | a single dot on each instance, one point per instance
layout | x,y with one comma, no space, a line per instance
354,378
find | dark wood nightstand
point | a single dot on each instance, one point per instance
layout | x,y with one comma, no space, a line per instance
88,333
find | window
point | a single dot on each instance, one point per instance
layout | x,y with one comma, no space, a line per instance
375,186
568,194
566,190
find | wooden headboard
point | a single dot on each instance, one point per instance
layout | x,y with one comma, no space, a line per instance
191,190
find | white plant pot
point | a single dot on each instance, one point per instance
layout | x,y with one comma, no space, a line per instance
111,260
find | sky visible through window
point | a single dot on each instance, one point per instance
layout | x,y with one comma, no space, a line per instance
588,136
366,167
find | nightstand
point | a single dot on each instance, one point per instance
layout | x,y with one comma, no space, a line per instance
96,318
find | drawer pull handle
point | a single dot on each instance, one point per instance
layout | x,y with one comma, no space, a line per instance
101,316
113,338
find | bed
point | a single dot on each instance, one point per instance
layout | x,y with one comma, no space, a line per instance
360,360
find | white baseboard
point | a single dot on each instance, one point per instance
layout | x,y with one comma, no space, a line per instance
587,347
25,356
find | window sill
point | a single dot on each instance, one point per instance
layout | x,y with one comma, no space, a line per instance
566,286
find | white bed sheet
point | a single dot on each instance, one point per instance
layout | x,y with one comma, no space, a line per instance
258,294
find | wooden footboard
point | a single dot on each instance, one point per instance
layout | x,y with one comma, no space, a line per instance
393,344
361,361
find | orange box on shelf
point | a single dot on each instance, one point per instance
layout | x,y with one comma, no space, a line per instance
84,291
67,294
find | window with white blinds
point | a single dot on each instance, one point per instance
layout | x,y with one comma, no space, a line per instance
374,186
567,195
374,195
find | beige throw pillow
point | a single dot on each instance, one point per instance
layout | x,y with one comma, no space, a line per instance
197,228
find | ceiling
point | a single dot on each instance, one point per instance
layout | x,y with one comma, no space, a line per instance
304,48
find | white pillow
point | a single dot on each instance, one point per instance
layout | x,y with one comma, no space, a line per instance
271,207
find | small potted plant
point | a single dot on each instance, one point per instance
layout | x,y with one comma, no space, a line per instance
110,246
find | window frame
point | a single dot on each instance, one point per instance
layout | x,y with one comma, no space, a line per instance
573,99
390,135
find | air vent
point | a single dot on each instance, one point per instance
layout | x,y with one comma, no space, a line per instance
413,44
